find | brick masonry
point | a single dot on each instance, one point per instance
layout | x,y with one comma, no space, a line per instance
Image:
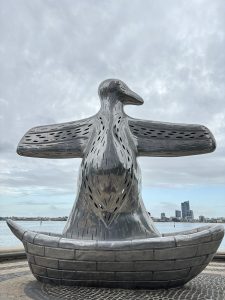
158,262
16,282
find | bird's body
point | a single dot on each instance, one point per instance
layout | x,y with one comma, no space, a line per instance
109,182
109,205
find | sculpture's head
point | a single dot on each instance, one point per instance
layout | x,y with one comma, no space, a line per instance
115,89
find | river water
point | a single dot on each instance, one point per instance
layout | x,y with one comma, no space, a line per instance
8,240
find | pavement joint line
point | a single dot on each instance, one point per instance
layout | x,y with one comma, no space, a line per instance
13,275
216,268
217,271
11,262
14,266
10,271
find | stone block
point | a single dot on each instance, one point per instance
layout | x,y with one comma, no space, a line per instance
154,265
153,243
77,244
208,248
50,233
133,276
46,240
218,236
114,245
59,253
192,239
38,270
191,231
217,232
30,258
189,262
25,246
180,232
35,249
206,227
69,275
170,275
115,266
208,259
175,253
124,255
46,262
29,236
53,273
86,283
95,276
79,275
77,265
195,271
133,255
177,282
43,279
95,255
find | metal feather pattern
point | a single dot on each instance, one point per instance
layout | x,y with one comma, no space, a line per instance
65,140
170,139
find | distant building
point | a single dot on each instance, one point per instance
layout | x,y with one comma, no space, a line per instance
185,208
201,219
163,216
187,213
178,214
190,215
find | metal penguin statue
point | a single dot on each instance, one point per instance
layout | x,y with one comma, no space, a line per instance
108,213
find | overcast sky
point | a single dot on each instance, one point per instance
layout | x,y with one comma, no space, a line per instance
54,54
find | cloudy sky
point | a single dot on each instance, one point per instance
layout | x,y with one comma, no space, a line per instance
54,54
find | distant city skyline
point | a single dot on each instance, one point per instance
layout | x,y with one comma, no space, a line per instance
187,214
41,209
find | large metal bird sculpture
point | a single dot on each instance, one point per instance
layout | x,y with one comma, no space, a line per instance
109,205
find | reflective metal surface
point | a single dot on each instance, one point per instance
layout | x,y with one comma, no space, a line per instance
109,205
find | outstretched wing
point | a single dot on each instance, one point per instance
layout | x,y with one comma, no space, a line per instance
170,139
65,140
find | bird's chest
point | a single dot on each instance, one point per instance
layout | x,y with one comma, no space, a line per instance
110,155
108,171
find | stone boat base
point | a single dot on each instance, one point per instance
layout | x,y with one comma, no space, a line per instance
167,261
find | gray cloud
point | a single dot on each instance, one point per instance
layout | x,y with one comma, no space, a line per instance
53,54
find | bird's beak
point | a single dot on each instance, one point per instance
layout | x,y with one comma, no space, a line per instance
130,97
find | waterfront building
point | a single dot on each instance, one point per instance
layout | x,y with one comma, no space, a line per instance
163,216
190,215
187,213
185,208
201,219
178,214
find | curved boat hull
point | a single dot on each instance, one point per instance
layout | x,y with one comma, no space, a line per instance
167,261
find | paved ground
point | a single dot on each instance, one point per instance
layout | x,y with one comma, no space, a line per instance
16,282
